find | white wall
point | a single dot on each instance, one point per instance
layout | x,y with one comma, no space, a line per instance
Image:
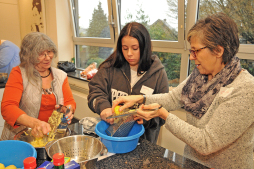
64,31
9,21
58,23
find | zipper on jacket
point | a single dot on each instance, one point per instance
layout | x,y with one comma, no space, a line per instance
136,81
128,80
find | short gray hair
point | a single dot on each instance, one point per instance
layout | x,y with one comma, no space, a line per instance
32,46
217,29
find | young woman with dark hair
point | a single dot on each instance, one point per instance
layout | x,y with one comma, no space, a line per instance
130,70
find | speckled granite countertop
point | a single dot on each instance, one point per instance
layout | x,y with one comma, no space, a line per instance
146,155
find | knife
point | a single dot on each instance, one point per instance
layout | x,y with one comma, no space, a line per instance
131,112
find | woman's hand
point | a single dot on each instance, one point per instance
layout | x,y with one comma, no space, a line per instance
144,113
40,128
69,116
138,119
105,113
127,101
68,111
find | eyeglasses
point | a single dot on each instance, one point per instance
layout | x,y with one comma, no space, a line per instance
194,52
49,53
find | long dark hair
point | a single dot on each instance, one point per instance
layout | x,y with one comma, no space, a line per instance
138,31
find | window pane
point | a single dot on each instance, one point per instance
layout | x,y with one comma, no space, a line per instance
239,10
91,18
88,54
172,63
160,17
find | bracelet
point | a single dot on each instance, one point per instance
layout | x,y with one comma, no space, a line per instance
144,99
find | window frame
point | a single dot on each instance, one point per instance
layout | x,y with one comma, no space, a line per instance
95,40
181,46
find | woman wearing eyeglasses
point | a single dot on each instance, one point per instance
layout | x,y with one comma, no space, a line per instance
34,89
218,97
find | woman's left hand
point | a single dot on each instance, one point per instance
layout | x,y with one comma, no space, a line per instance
68,111
138,119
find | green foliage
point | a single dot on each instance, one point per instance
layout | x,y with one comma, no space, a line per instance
172,63
97,60
248,65
98,27
191,66
140,17
240,11
98,23
161,31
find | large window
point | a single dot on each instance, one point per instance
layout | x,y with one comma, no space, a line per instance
94,33
97,24
162,25
89,54
160,17
172,64
92,19
241,11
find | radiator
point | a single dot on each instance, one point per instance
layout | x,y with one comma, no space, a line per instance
79,89
80,96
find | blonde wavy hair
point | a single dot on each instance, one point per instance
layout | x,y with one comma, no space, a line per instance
32,46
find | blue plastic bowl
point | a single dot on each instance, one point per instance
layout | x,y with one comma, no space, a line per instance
13,152
119,145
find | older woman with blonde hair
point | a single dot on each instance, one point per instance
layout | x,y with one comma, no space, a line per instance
34,89
218,97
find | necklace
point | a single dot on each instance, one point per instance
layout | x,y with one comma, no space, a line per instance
47,75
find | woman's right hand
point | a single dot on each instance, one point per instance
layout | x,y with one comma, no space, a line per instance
40,128
105,113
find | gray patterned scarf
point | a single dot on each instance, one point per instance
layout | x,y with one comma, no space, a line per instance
198,93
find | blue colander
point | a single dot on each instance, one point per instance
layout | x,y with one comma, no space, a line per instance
13,152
